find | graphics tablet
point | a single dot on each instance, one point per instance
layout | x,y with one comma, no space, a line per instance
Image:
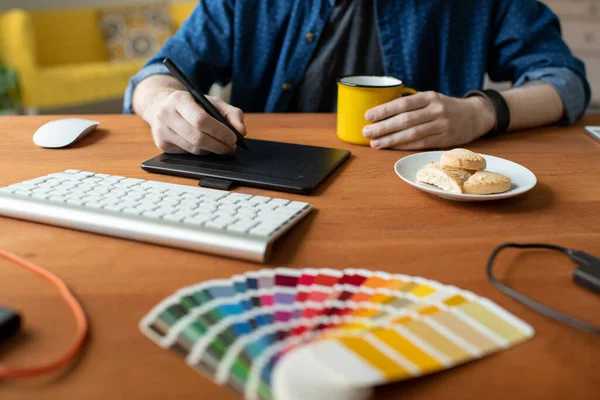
277,166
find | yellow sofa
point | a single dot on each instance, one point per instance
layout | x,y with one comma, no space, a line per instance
60,56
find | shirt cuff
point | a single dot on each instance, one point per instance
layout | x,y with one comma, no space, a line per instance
568,85
149,70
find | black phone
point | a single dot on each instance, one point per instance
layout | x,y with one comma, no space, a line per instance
10,323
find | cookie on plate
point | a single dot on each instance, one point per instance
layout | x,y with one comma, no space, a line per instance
446,178
463,158
485,182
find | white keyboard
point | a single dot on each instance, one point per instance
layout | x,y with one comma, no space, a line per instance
214,221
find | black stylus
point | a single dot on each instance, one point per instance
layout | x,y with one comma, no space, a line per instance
202,100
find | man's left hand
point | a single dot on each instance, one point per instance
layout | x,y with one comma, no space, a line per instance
428,120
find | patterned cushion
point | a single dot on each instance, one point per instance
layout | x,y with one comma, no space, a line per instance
135,32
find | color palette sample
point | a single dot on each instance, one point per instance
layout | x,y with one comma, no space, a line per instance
321,333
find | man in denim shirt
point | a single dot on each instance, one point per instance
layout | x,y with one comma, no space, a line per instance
286,55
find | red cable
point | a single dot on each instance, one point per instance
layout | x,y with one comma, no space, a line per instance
80,319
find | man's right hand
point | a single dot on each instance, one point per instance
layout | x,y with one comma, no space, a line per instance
179,124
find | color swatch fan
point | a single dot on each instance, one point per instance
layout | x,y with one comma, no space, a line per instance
316,334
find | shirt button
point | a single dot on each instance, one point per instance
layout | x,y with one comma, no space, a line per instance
310,37
286,86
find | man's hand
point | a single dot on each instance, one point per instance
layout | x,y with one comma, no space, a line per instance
179,124
428,120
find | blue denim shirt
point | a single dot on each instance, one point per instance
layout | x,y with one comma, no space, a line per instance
262,47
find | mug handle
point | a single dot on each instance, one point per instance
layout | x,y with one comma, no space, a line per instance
404,91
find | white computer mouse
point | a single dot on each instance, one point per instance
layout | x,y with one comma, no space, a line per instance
63,132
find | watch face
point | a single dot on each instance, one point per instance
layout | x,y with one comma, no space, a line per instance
594,131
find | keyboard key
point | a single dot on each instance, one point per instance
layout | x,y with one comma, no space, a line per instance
173,217
166,210
192,196
132,211
216,225
23,192
147,207
109,201
71,171
102,176
76,202
114,207
67,185
271,218
7,190
41,196
129,203
152,214
223,213
265,206
117,193
189,203
59,176
228,207
35,181
298,205
247,210
258,200
74,196
131,181
207,208
151,199
229,199
278,202
211,203
23,186
197,220
92,180
115,178
239,196
263,229
241,226
225,220
284,211
94,204
56,198
188,211
150,189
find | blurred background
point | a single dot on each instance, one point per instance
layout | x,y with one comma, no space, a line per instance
76,56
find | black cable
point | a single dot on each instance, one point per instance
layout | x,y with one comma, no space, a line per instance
542,309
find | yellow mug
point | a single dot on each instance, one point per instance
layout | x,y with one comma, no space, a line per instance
357,95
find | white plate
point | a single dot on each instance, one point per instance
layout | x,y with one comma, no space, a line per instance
522,179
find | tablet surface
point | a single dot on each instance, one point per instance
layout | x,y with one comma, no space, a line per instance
277,166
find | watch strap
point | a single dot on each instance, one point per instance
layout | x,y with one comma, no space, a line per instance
500,107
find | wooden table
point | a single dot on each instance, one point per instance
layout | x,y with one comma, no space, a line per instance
367,218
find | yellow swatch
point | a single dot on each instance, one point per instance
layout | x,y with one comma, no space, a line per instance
399,343
377,359
441,343
422,291
455,300
492,321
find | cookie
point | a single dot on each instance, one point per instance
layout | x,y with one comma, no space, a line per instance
463,158
446,178
485,182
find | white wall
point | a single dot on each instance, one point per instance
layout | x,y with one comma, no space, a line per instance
47,4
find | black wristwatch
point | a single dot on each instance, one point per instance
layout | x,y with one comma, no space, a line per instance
499,105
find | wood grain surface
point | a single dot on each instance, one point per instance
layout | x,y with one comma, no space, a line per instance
366,218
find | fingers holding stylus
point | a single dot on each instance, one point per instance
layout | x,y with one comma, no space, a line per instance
197,140
180,123
206,130
234,115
